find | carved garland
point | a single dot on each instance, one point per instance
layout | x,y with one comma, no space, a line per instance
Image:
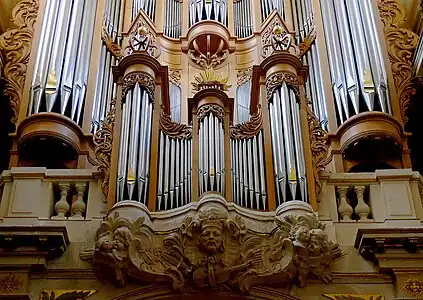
114,48
401,44
103,140
276,80
144,79
216,110
16,47
250,128
172,129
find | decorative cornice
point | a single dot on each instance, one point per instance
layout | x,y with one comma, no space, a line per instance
103,140
143,79
401,44
276,80
172,129
16,47
250,128
114,48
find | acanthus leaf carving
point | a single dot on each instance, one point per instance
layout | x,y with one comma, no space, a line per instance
243,76
214,249
114,48
401,44
276,80
16,46
175,77
143,79
250,128
216,110
173,129
306,44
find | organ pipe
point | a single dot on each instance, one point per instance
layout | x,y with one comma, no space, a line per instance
200,10
268,6
173,18
61,73
148,6
243,18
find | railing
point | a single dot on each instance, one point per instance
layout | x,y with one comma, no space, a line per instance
372,197
61,72
50,194
173,18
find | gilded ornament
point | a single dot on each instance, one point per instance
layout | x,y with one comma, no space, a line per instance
209,79
143,79
354,297
243,76
266,36
114,48
401,44
172,129
103,140
10,283
413,287
15,45
250,128
142,39
306,44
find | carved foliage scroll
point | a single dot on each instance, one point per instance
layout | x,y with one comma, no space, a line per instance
172,129
243,76
216,110
401,44
103,140
305,45
114,48
274,81
16,47
250,128
144,79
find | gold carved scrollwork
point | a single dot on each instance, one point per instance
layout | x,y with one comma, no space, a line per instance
145,80
103,140
401,44
250,128
306,44
319,146
243,76
276,80
216,110
172,129
114,48
16,46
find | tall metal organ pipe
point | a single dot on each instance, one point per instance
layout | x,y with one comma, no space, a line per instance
211,154
148,6
268,6
200,10
173,18
243,98
359,80
61,72
134,151
175,94
105,88
243,18
288,150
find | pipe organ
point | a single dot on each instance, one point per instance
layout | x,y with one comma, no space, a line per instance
164,128
59,82
359,79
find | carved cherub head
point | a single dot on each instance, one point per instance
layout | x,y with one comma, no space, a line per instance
302,235
211,237
105,242
318,243
121,238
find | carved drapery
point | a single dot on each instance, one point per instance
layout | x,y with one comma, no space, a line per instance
16,47
145,80
173,129
276,80
114,48
250,128
214,250
103,140
205,110
401,44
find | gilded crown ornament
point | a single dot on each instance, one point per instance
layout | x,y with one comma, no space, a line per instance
209,79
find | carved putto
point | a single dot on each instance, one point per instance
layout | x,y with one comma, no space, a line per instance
214,249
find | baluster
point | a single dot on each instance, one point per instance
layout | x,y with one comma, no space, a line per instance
362,209
345,210
62,206
78,207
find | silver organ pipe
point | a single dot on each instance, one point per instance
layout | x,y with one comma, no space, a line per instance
148,6
211,153
175,94
243,18
134,151
200,10
268,6
61,73
173,18
358,77
288,151
105,88
248,172
175,169
243,95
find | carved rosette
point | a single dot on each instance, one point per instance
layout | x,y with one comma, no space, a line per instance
401,44
173,129
16,47
276,80
243,76
103,140
250,128
144,79
319,146
213,249
216,110
114,48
